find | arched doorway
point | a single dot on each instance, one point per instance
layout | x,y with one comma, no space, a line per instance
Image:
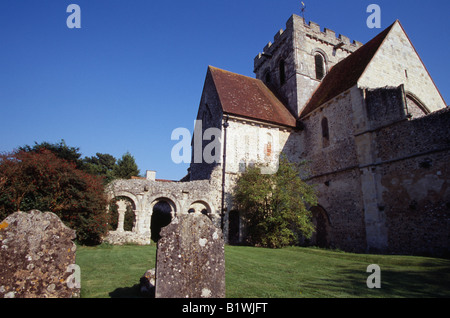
162,214
322,224
233,227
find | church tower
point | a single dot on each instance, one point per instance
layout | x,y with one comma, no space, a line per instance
299,58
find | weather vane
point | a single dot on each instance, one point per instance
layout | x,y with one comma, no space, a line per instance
303,10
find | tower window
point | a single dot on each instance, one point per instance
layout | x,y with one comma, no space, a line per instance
325,133
282,72
267,78
320,66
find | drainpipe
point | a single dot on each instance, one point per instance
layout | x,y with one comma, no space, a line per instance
224,161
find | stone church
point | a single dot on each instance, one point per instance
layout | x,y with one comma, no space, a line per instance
368,119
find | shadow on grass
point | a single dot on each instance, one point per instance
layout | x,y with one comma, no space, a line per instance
432,282
131,292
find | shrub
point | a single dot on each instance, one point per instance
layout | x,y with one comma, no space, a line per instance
275,207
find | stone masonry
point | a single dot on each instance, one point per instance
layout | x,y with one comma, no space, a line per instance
199,197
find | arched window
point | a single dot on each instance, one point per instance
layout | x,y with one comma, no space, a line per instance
415,107
269,149
126,207
268,146
267,77
320,66
282,69
325,133
199,207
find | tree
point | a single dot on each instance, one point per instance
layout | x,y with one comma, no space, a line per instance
275,207
60,149
126,167
41,180
103,165
100,165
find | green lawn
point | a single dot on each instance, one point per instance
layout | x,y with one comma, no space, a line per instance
113,271
294,272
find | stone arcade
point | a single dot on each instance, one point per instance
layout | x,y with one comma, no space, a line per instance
369,120
145,196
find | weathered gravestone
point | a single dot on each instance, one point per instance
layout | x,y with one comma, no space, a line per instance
147,282
37,257
190,259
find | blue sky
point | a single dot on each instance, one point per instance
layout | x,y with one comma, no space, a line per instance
135,70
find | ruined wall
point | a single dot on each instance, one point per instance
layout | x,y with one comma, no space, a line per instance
182,197
396,62
385,106
415,108
421,135
414,179
383,178
403,173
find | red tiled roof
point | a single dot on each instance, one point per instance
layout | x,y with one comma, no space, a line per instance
249,97
346,73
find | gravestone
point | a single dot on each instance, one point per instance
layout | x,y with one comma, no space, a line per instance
147,282
37,257
190,260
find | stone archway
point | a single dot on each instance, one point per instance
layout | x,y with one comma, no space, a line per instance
163,211
200,207
122,214
321,237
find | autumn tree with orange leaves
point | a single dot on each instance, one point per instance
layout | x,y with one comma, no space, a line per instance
41,180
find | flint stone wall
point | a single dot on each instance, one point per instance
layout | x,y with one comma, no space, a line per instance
190,259
36,250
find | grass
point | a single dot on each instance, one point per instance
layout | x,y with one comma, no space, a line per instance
294,272
316,273
113,271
